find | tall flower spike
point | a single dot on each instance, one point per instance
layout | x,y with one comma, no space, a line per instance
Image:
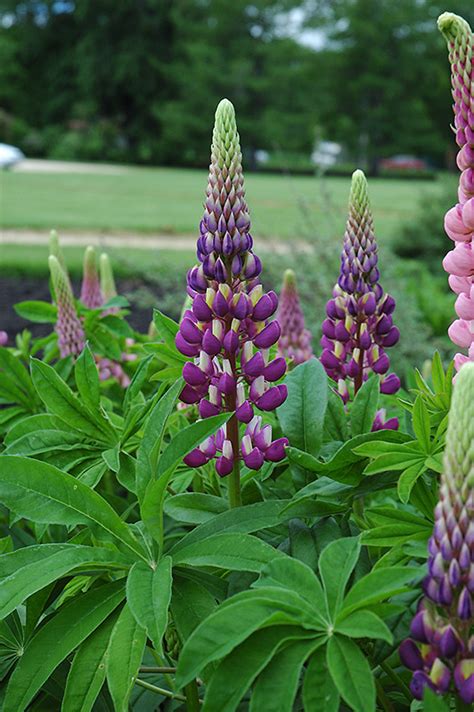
55,249
68,325
295,341
359,326
226,330
91,296
107,281
459,221
441,647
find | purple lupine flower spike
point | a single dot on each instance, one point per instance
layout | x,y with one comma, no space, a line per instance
91,296
459,221
68,325
3,338
441,647
227,329
295,340
359,327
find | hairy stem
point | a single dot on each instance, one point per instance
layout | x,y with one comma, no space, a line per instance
397,680
160,690
192,697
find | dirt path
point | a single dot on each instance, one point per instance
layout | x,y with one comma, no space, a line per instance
181,243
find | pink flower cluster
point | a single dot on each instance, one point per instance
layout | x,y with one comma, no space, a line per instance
459,221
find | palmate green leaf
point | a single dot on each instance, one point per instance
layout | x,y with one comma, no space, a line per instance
166,327
149,595
294,575
37,311
124,655
42,441
376,586
338,467
27,570
87,673
150,447
57,638
421,424
319,690
276,687
153,501
336,564
191,603
187,439
235,551
302,414
87,379
248,519
302,543
390,535
31,424
335,421
139,379
364,624
351,674
376,448
194,507
61,401
364,408
408,480
42,493
19,375
393,461
433,702
236,672
233,622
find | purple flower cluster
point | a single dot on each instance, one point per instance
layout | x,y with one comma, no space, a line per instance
359,326
295,339
227,330
440,650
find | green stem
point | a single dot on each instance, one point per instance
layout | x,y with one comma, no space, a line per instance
157,670
397,680
160,690
462,706
358,507
235,499
192,696
384,701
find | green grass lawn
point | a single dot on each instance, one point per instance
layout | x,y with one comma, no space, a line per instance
169,201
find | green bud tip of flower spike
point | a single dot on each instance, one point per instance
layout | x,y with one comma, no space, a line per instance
55,249
107,281
61,285
289,279
359,202
225,148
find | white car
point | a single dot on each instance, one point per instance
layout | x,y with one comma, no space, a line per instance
9,155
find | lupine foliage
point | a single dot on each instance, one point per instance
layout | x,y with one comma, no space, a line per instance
165,547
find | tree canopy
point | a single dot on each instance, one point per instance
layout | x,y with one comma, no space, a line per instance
139,80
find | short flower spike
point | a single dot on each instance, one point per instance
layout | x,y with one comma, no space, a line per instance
68,325
359,326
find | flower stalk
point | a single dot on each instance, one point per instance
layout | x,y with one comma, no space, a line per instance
227,330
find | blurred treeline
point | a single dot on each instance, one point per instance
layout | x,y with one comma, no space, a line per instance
138,80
